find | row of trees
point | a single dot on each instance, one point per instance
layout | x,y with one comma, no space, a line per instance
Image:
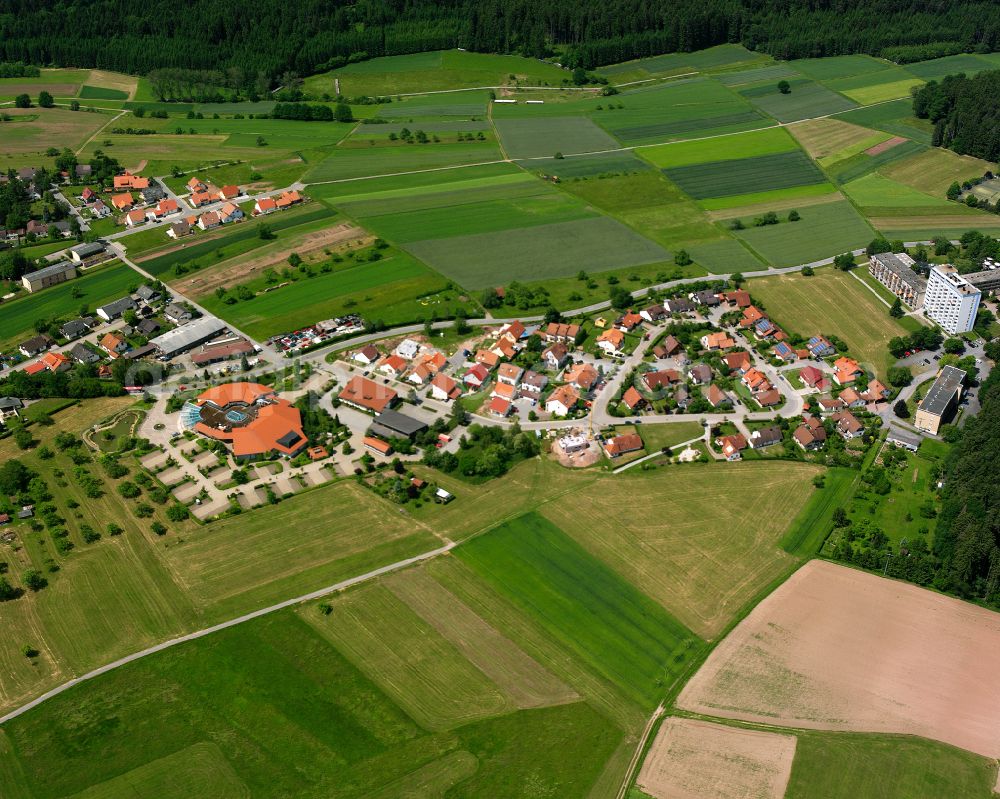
220,45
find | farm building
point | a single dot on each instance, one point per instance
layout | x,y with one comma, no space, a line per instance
49,276
81,252
115,309
222,351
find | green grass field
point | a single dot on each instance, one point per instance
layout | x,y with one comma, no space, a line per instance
397,289
885,767
811,526
704,547
107,283
725,148
822,232
531,254
811,305
101,93
838,66
545,136
618,632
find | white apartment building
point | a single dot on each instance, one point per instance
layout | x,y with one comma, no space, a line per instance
895,272
951,300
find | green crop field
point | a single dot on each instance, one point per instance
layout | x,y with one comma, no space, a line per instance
618,632
806,100
830,140
838,66
937,68
885,767
107,283
748,175
545,136
893,117
724,256
482,217
876,195
822,232
725,148
811,305
702,549
545,251
860,164
397,289
101,93
515,187
744,77
346,163
588,166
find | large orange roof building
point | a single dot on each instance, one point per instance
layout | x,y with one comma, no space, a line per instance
251,418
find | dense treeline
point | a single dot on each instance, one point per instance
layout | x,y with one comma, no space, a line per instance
967,539
19,70
965,112
264,42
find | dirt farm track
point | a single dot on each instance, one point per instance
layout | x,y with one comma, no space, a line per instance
839,649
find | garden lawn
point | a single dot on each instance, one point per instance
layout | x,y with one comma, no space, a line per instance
822,232
107,283
395,290
537,253
831,302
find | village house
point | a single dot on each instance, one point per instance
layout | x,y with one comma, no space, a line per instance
716,397
163,207
560,332
152,194
740,298
751,316
819,347
52,362
504,348
700,374
755,380
88,196
230,212
654,313
679,305
419,374
113,310
367,355
611,341
509,373
195,184
783,352
582,376
10,407
487,358
200,198
876,391
846,371
810,435
264,205
830,405
476,376
209,220
288,199
813,378
555,356
113,344
83,354
768,398
562,400
737,361
445,389
392,365
129,181
177,313
661,379
135,217
179,229
717,341
633,400
851,398
765,437
121,202
407,349
499,407
621,445
228,193
532,384
732,446
628,322
505,391
847,425
99,210
707,297
76,328
668,348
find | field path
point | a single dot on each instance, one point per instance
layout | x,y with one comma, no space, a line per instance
94,134
402,564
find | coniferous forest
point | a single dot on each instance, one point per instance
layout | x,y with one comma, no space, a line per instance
965,112
270,38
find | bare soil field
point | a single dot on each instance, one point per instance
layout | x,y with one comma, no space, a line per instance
693,759
839,649
114,80
888,144
239,269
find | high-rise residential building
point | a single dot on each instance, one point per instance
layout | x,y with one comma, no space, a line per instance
950,300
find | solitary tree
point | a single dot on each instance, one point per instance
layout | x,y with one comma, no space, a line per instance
896,311
784,87
901,410
22,101
342,113
681,258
